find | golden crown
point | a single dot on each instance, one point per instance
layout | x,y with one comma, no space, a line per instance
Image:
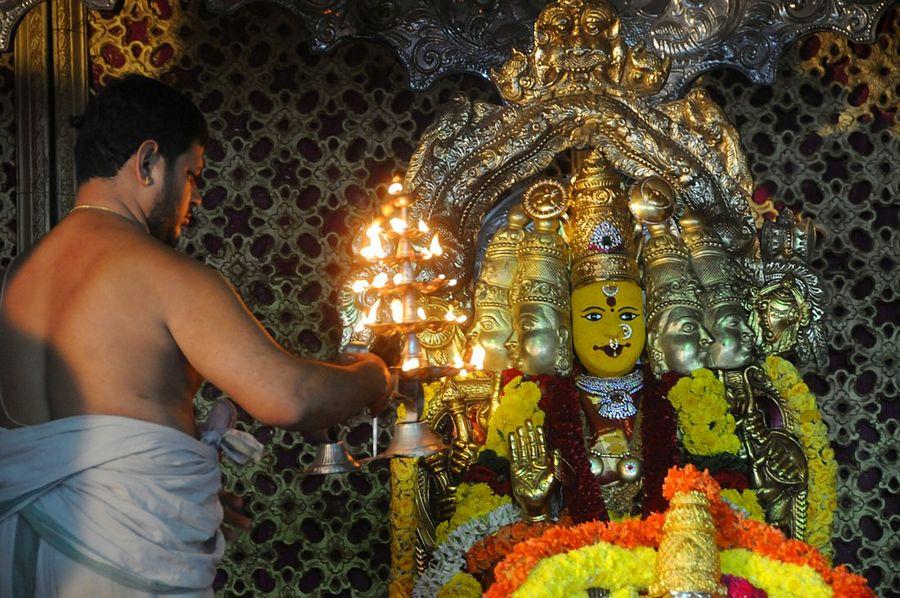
602,227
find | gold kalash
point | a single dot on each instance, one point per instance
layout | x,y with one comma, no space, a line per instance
685,234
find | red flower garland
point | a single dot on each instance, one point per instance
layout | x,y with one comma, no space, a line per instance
489,551
562,423
659,437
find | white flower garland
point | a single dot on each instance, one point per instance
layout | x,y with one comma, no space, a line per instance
449,558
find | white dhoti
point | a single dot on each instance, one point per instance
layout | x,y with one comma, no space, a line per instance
98,505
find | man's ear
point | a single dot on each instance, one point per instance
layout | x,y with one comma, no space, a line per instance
147,157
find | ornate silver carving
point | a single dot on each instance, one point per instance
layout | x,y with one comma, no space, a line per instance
748,35
432,38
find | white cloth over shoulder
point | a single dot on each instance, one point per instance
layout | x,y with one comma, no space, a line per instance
131,500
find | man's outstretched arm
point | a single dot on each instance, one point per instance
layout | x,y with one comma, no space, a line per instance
224,342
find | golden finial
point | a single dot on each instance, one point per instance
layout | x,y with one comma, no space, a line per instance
688,559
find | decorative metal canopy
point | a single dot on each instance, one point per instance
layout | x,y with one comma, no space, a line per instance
433,38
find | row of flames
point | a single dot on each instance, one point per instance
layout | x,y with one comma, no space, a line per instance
406,254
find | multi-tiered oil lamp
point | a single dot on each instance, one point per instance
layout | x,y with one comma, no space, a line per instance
402,250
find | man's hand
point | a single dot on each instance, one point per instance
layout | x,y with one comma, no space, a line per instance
375,375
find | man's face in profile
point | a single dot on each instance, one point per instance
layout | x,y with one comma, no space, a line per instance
172,210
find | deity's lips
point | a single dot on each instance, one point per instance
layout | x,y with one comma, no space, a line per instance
610,352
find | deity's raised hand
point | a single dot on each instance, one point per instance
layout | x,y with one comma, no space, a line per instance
533,471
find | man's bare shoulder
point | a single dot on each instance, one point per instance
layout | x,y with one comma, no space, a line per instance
178,274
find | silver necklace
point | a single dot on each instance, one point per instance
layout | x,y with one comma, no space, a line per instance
615,395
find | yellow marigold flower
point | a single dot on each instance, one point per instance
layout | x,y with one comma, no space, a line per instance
747,500
774,577
472,500
461,585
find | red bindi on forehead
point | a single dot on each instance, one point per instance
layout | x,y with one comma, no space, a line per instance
611,301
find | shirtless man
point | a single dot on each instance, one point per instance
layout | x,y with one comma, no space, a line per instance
104,318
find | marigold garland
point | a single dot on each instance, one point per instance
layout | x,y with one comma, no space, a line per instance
461,585
518,402
448,558
822,466
486,553
707,428
472,500
774,577
606,566
732,532
600,565
404,520
745,500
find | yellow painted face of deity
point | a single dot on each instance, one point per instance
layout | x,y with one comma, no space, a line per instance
608,327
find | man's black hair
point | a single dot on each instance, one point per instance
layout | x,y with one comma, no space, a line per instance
127,112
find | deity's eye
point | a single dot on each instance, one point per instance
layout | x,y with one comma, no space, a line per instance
594,316
627,316
527,323
487,324
592,25
689,327
562,25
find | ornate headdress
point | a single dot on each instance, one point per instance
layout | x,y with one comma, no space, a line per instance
542,273
668,279
602,226
499,267
720,273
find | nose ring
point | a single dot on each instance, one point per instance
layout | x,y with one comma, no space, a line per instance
626,331
613,343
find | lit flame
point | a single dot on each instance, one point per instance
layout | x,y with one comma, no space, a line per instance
461,318
460,365
450,316
410,363
452,282
421,313
372,316
477,358
360,285
435,247
380,280
423,228
373,250
397,311
398,278
395,188
398,224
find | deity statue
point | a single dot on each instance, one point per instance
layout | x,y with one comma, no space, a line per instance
540,295
608,327
724,290
578,47
678,339
709,294
785,303
492,328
